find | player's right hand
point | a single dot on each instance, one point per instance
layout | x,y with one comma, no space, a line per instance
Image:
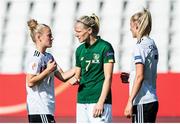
74,81
124,77
51,65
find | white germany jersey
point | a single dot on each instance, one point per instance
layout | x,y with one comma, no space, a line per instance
40,98
145,52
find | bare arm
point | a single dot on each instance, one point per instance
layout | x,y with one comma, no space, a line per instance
108,71
135,89
77,72
70,82
64,76
33,80
76,78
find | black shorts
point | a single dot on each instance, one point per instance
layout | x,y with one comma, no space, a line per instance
42,118
145,113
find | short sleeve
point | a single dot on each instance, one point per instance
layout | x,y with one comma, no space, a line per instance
139,55
108,54
33,66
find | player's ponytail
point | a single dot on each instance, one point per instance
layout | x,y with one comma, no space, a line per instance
95,25
144,22
32,24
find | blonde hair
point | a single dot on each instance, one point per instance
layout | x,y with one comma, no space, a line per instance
35,28
144,22
90,21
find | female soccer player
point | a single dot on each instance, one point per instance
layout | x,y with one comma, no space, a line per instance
94,65
41,70
142,104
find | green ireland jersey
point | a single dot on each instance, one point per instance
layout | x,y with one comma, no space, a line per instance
91,60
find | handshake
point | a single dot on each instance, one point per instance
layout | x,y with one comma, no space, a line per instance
73,81
124,77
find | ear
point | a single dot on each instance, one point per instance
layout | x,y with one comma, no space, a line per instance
90,30
37,37
136,26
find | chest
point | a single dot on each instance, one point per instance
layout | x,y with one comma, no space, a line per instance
44,62
90,59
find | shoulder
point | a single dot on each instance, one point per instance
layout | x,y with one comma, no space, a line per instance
34,56
147,44
81,47
146,41
36,53
48,54
105,44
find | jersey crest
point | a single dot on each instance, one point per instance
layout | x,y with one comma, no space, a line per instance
95,58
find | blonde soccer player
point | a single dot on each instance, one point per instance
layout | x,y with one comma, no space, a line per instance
94,65
41,70
142,104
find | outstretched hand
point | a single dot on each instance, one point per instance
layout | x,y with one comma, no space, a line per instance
74,81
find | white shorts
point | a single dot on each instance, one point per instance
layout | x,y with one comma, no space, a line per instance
84,113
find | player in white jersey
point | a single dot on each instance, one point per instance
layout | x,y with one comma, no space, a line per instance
41,70
142,104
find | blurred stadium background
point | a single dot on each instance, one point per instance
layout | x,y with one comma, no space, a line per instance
15,44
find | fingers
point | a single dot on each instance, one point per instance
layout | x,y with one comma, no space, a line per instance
74,81
128,111
97,113
127,114
51,65
124,77
52,62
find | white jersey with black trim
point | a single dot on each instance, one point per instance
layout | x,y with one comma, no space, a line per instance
146,53
40,98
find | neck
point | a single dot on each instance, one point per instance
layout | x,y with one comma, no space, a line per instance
92,40
40,49
138,37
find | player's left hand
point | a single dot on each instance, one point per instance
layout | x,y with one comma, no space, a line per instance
98,110
128,109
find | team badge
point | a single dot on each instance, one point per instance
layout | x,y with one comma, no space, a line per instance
33,66
96,58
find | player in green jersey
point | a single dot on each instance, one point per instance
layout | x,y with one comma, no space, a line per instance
94,67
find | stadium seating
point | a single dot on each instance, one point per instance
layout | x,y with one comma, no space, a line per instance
15,42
